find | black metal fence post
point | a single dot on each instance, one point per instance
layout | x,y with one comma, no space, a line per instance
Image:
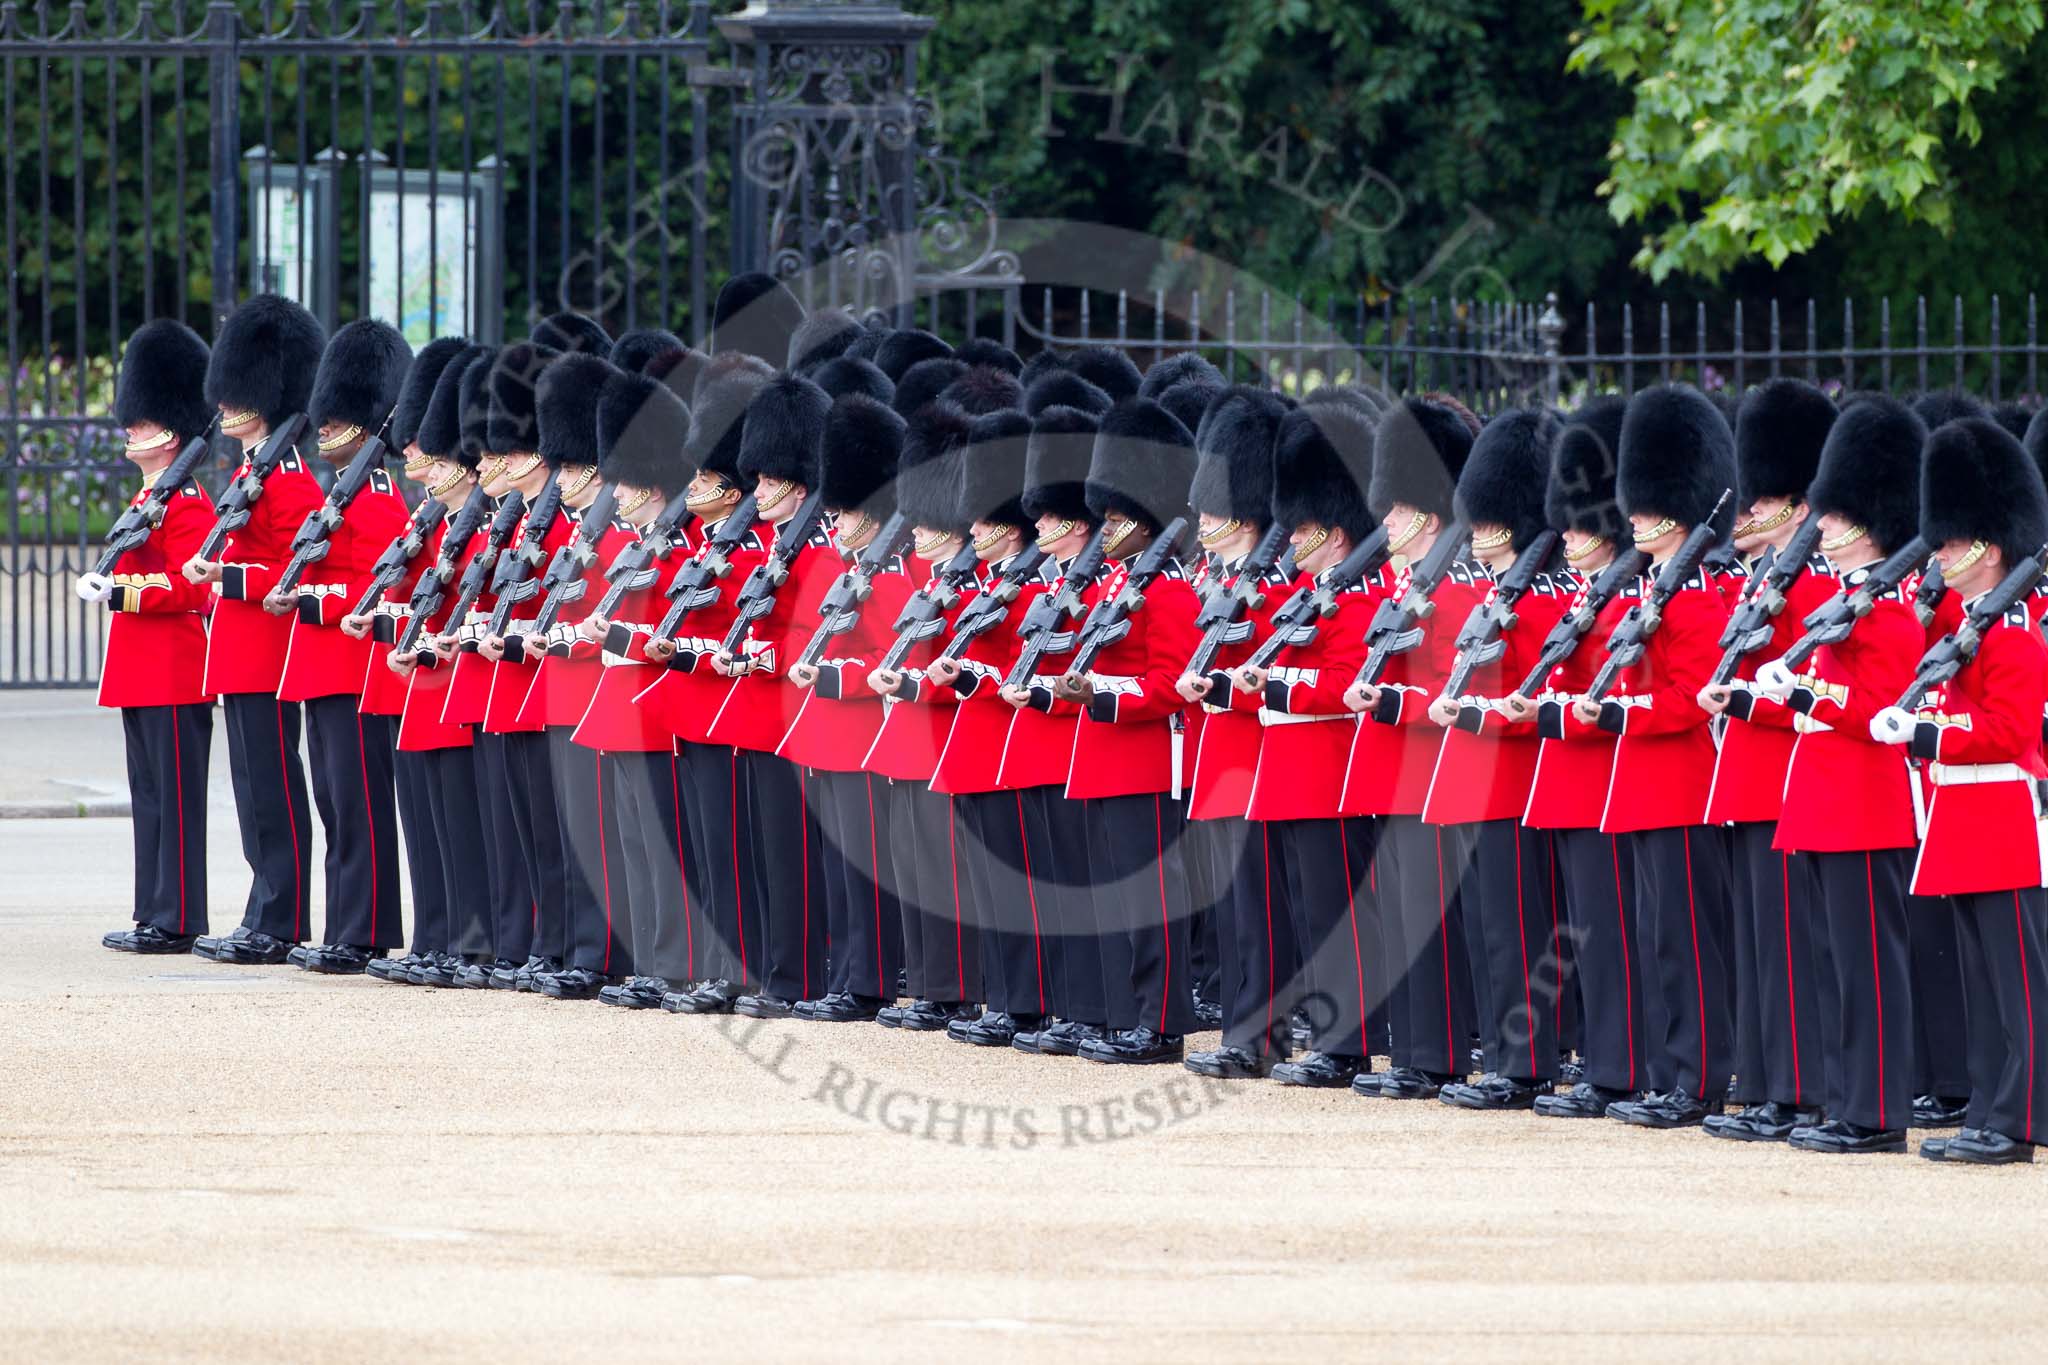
1550,329
224,157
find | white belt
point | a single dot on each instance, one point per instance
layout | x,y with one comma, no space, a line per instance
1972,774
1267,716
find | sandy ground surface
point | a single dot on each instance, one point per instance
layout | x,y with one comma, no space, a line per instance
214,1164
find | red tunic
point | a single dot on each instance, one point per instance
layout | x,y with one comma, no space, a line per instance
916,720
1037,748
1756,753
512,678
322,660
837,721
1664,760
684,696
1396,746
1306,732
1228,741
383,691
567,678
759,705
156,637
466,692
1575,763
246,645
1129,738
1983,734
976,743
612,721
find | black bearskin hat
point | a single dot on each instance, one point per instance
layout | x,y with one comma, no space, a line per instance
984,389
899,350
462,409
1677,456
1504,476
567,332
360,376
1870,470
1106,367
1322,468
1419,450
1144,461
784,431
2036,440
264,358
1368,401
984,351
845,374
1938,406
1064,389
756,314
869,343
1779,431
515,375
1977,483
1056,464
992,483
929,477
680,370
718,413
1584,461
1234,446
923,382
857,470
163,379
2014,416
1178,369
565,401
821,337
1190,399
634,349
643,432
429,363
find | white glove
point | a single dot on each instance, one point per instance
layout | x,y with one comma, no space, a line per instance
1893,725
94,587
1775,681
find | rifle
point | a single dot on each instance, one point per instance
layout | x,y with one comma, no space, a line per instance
231,513
1632,636
138,523
477,577
1296,621
1949,654
1109,620
696,583
1749,629
563,582
315,534
989,607
1222,619
512,579
1835,618
1564,637
634,568
1928,597
390,566
757,595
1483,637
840,611
924,615
1041,627
1397,623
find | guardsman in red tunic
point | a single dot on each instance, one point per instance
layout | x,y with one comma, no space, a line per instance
1850,804
684,698
156,645
1677,458
350,752
1486,770
1983,505
643,430
260,375
1420,447
1781,1026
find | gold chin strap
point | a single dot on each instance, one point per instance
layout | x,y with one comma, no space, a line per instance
1122,534
340,438
1312,544
515,475
156,442
1219,532
436,490
582,482
1769,523
636,502
1657,532
1844,540
696,500
1494,541
1961,566
239,418
925,542
770,493
1052,537
852,539
417,463
992,539
489,467
1574,556
1409,532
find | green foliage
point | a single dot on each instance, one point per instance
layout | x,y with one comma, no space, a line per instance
1758,125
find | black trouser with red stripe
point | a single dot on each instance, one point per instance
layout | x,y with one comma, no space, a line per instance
1208,894
1863,897
1012,896
789,870
1059,846
863,916
1682,927
458,816
1141,910
645,803
1784,987
2004,940
168,751
1261,980
1336,929
539,835
1430,1008
930,851
416,800
350,756
1511,928
600,936
1598,872
1941,1043
724,893
272,810
508,883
